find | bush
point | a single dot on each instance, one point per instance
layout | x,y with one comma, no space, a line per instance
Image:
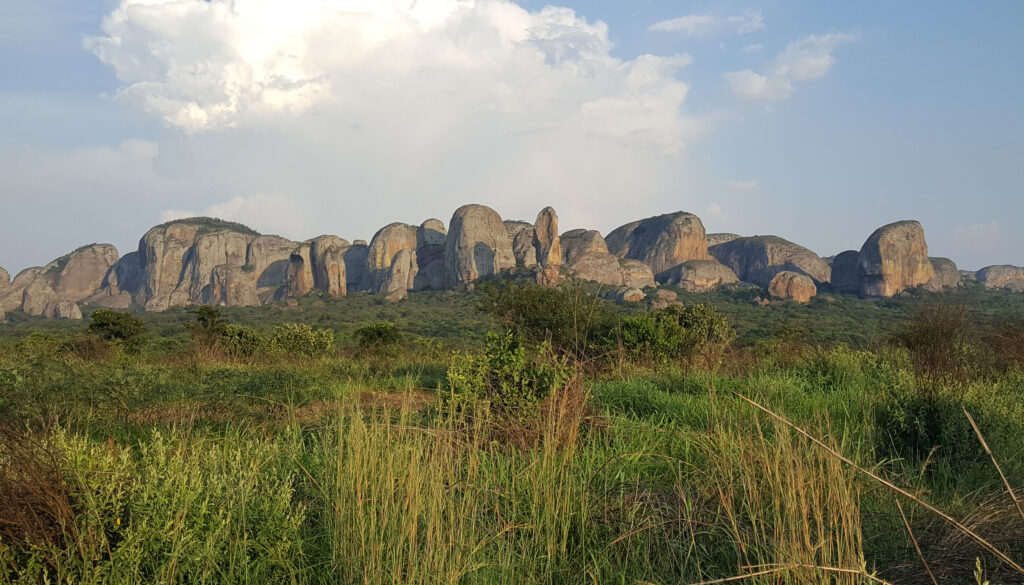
506,378
239,341
302,340
378,336
120,328
937,339
574,322
675,333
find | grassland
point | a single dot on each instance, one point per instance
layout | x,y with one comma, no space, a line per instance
182,464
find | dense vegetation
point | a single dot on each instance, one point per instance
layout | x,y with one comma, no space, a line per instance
518,435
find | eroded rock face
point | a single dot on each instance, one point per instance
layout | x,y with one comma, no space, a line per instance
5,278
947,275
636,274
209,251
327,254
968,276
268,258
845,272
521,234
792,285
83,271
598,267
893,259
62,309
547,247
300,272
384,246
400,277
231,286
478,245
36,296
1002,276
699,275
758,259
721,238
578,243
629,295
661,242
11,296
430,242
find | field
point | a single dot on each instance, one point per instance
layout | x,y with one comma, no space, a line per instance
845,441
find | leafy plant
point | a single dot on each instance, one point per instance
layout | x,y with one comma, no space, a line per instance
122,328
302,340
378,336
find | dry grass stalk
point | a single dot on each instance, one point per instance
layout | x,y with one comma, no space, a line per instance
913,539
1006,483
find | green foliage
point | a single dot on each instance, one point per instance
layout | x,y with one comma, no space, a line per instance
239,341
378,336
302,340
676,334
122,328
572,319
505,377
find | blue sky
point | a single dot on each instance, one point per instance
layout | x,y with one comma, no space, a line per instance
815,121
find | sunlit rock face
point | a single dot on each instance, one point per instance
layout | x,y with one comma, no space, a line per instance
661,242
893,259
477,246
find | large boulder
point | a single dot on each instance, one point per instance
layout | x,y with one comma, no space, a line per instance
231,286
355,264
477,246
36,296
721,238
547,247
327,255
845,272
521,234
603,268
430,255
968,276
210,250
300,272
578,243
698,275
400,277
893,259
1001,276
268,258
80,274
758,259
5,278
636,274
792,285
384,246
947,275
11,296
62,309
661,242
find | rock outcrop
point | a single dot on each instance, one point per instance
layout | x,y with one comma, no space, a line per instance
355,264
300,272
699,275
62,309
661,242
11,296
400,277
521,234
80,274
268,258
5,278
210,250
477,246
231,286
36,296
758,259
327,255
893,259
430,255
547,247
608,270
578,243
636,274
715,239
792,285
947,275
845,275
1001,276
384,246
968,276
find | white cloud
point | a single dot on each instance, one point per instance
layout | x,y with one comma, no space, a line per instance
265,213
715,213
753,48
697,25
807,58
744,185
363,112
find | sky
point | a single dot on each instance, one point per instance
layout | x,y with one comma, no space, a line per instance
814,121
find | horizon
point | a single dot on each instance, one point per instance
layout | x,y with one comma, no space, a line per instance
817,124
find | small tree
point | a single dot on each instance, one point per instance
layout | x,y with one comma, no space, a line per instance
378,336
120,328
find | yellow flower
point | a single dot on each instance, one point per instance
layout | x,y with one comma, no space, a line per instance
118,521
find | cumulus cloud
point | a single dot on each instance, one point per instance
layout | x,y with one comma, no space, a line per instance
807,58
697,25
355,111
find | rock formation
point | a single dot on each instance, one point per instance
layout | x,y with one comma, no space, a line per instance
946,275
715,239
400,277
81,273
893,259
547,247
11,297
845,277
577,243
661,242
231,286
268,258
62,309
758,259
968,276
355,264
430,255
327,254
5,278
636,274
792,285
300,272
384,246
477,246
521,234
1001,276
699,275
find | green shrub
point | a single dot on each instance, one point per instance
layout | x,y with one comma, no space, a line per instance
676,334
506,377
244,342
378,336
302,340
121,328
